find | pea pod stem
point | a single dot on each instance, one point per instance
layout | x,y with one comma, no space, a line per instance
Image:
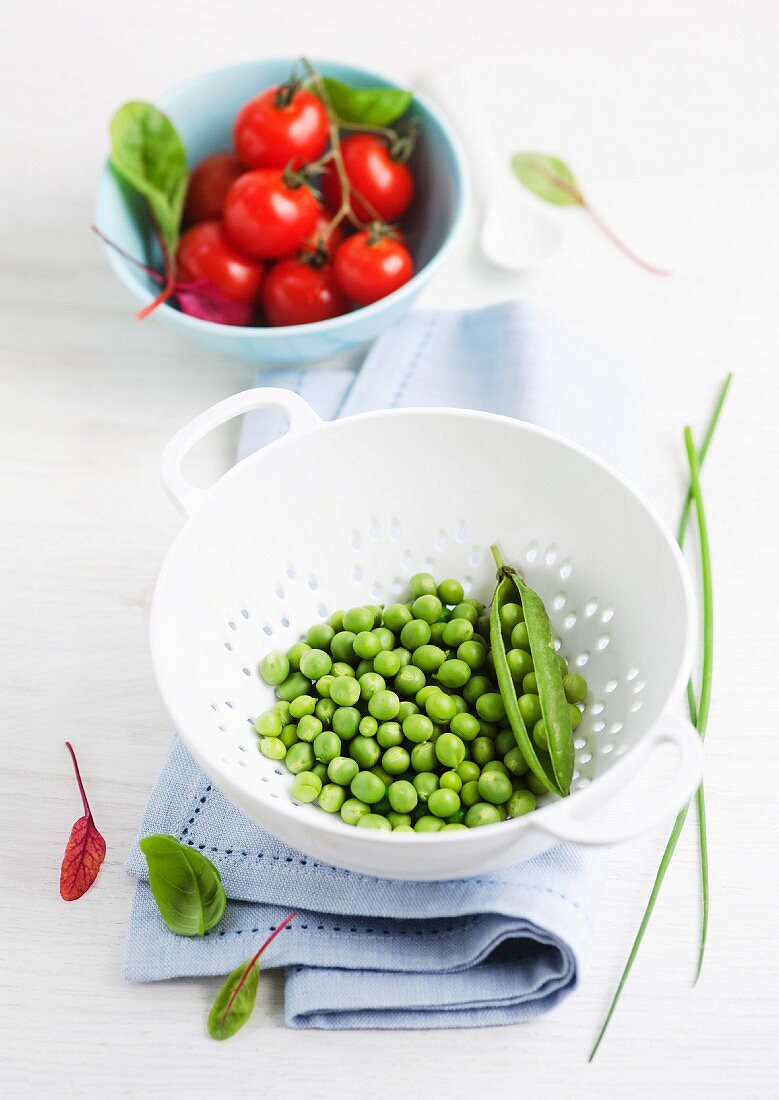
698,714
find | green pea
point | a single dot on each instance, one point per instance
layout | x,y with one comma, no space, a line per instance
427,607
521,802
451,781
473,653
367,787
504,742
374,821
352,810
342,646
289,735
440,707
466,610
437,634
520,664
450,750
469,793
315,663
358,619
540,735
406,709
530,684
483,750
324,711
403,829
294,685
365,750
515,761
366,645
273,747
575,688
295,653
368,726
320,635
363,667
562,664
385,637
370,683
415,634
489,729
389,735
403,655
342,770
510,615
387,663
396,819
341,668
306,786
576,716
384,705
520,638
475,688
468,770
396,616
320,770
443,802
482,813
418,728
336,620
451,592
409,680
495,766
300,757
304,704
396,760
535,784
345,691
281,706
428,824
454,673
274,668
383,775
331,798
422,584
424,693
327,746
450,825
269,724
490,707
309,727
465,725
530,709
403,796
346,721
425,783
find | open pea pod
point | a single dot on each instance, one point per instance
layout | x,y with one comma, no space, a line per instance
554,705
504,589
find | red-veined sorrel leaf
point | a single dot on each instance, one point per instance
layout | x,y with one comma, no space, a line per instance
85,849
235,1001
204,300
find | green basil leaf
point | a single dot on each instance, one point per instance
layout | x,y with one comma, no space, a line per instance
148,153
548,177
231,1010
186,886
366,106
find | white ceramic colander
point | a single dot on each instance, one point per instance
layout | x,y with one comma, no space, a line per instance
342,513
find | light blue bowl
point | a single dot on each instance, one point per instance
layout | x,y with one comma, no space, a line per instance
203,110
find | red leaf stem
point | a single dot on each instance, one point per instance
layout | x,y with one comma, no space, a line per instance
253,962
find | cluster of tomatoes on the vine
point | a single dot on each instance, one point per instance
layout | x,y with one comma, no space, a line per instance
261,236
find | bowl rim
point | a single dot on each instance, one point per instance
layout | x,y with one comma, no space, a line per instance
122,268
512,825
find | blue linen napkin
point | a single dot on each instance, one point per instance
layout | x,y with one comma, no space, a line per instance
372,953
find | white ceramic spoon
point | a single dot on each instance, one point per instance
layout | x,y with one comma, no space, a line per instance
514,235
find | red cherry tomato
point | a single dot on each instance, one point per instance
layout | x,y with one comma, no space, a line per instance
367,269
208,185
279,127
317,237
267,216
386,184
206,252
298,293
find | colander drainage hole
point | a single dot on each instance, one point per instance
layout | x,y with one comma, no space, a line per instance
566,568
313,584
246,672
280,592
267,630
475,556
615,728
558,603
582,660
611,686
569,621
245,613
606,749
407,559
531,553
639,686
285,622
461,534
631,673
355,542
551,554
441,540
228,647
636,707
394,531
374,529
357,574
376,590
607,614
603,642
321,611
290,574
597,708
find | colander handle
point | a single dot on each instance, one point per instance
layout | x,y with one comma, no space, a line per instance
188,498
571,819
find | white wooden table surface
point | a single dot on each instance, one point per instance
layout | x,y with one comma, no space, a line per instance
668,111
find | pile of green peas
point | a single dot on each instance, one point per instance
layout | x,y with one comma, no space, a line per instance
391,716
